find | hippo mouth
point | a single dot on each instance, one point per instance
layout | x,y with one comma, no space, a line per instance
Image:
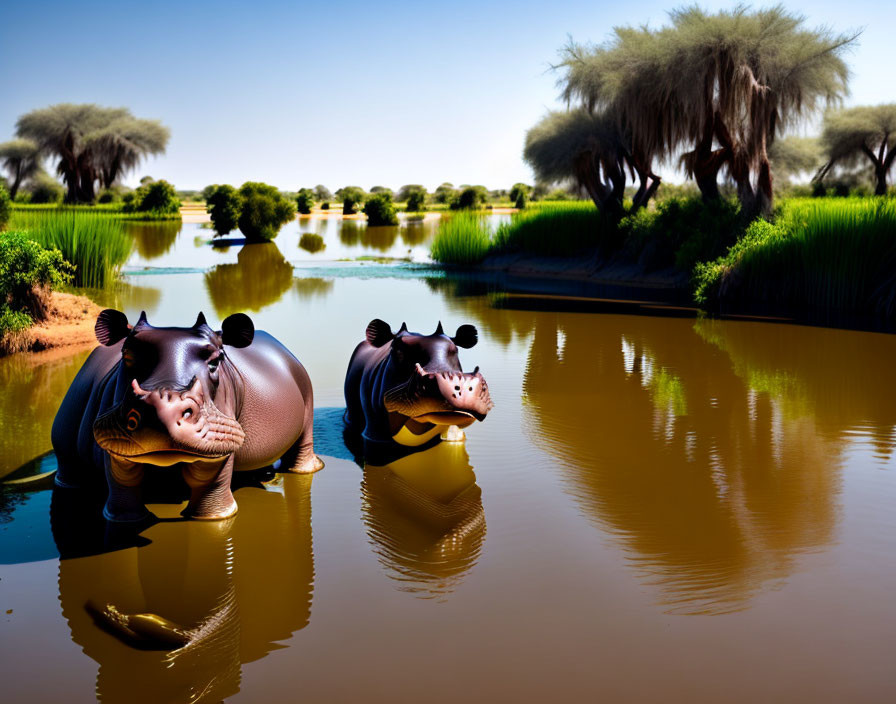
164,427
441,398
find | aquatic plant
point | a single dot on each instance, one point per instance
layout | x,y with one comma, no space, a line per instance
312,242
95,244
462,239
554,230
832,256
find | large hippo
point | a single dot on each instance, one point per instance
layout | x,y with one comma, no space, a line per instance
209,402
406,388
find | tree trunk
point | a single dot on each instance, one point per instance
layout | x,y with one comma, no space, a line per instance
14,188
881,178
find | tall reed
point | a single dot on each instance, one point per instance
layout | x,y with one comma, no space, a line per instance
831,255
462,239
95,244
554,230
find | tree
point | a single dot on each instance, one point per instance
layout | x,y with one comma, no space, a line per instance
21,158
405,191
264,211
793,156
91,143
519,189
416,200
380,210
382,189
445,193
470,198
153,197
861,135
351,197
305,200
223,204
711,89
45,189
322,193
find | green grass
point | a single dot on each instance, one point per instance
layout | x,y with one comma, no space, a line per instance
97,245
562,229
108,209
463,239
833,255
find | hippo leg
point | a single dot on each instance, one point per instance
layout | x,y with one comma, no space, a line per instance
210,495
124,503
305,461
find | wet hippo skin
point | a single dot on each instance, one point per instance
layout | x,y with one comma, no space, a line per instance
404,389
200,401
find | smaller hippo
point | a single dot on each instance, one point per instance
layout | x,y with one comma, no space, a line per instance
407,388
207,402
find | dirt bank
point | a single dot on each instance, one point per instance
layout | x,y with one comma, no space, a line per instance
69,325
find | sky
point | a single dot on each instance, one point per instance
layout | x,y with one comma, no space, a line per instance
365,94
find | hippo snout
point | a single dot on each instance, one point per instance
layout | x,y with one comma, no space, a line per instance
441,397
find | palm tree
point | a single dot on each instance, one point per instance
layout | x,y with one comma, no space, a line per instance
850,137
21,157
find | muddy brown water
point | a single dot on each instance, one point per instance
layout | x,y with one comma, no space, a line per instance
657,509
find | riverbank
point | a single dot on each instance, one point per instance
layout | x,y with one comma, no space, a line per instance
69,325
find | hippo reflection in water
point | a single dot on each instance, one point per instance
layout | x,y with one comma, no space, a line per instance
198,599
208,402
408,388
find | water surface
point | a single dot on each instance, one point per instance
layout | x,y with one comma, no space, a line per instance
658,508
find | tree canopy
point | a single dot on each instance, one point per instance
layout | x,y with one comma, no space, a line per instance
864,135
21,158
710,90
92,143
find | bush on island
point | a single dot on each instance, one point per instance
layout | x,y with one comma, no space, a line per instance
264,211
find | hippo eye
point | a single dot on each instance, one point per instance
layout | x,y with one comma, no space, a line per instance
213,364
133,420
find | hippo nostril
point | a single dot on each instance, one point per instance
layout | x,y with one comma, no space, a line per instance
457,388
187,413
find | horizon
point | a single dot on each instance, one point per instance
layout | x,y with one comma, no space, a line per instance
409,96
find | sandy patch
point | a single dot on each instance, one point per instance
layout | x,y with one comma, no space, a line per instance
69,326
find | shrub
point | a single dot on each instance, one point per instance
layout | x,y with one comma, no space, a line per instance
109,195
325,206
351,196
223,204
5,207
94,243
380,210
152,197
416,200
305,200
521,200
462,239
470,198
264,211
517,190
27,274
833,256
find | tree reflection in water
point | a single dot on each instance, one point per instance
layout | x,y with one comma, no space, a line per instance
153,239
259,278
425,520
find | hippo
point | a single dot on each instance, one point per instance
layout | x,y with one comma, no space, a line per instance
207,402
406,389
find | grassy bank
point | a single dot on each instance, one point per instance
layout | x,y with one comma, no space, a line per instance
815,256
831,255
95,244
112,210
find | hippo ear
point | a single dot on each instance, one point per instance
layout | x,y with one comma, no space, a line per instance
111,326
200,320
466,336
379,332
237,330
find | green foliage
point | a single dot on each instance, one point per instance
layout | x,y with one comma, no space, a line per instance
470,198
405,192
829,256
264,211
445,193
462,239
322,193
223,204
681,231
863,136
555,230
95,244
5,207
152,197
519,189
28,272
415,197
45,189
380,210
521,201
305,200
382,189
351,197
21,158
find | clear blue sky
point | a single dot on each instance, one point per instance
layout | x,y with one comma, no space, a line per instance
341,93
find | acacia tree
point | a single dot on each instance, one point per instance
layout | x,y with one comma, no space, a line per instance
858,136
794,155
21,158
711,89
92,143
